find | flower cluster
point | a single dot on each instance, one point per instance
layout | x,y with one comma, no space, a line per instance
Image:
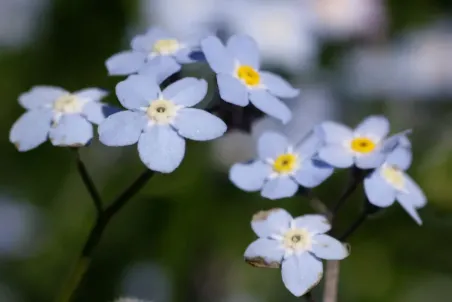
158,118
282,167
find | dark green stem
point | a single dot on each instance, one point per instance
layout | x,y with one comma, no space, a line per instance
95,196
71,287
356,178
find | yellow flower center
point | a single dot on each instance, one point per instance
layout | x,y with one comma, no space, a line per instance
68,103
166,46
393,176
248,75
362,145
285,163
162,111
297,239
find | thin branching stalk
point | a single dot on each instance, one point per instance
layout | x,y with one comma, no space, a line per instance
104,216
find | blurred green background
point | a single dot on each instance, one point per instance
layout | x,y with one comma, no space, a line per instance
183,236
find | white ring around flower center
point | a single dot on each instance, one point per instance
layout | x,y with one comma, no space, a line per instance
166,47
394,176
68,104
297,240
162,111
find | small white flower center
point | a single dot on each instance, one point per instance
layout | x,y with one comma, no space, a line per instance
68,104
162,111
297,240
394,176
166,47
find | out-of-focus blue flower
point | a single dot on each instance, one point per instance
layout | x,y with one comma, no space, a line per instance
62,116
389,183
160,120
295,245
365,146
155,44
240,79
281,168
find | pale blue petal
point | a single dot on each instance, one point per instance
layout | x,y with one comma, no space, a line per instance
189,55
271,222
370,160
91,94
271,144
232,90
218,57
309,146
96,112
249,177
71,130
137,91
124,63
279,187
245,50
31,129
312,173
374,126
161,148
404,140
270,105
314,224
414,194
329,248
401,157
277,85
198,125
378,191
409,207
122,128
336,155
264,253
335,133
300,273
145,43
396,140
186,92
40,96
160,68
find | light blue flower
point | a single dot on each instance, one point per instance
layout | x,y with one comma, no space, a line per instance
281,167
160,120
296,245
240,79
389,183
366,146
154,45
62,116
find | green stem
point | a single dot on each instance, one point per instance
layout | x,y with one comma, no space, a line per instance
89,183
72,285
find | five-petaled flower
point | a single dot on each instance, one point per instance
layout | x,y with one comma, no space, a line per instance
390,182
62,116
281,167
240,79
160,120
154,45
295,245
366,146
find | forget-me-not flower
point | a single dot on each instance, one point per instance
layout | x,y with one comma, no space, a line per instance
365,146
155,44
389,183
160,120
240,79
62,116
281,167
296,245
